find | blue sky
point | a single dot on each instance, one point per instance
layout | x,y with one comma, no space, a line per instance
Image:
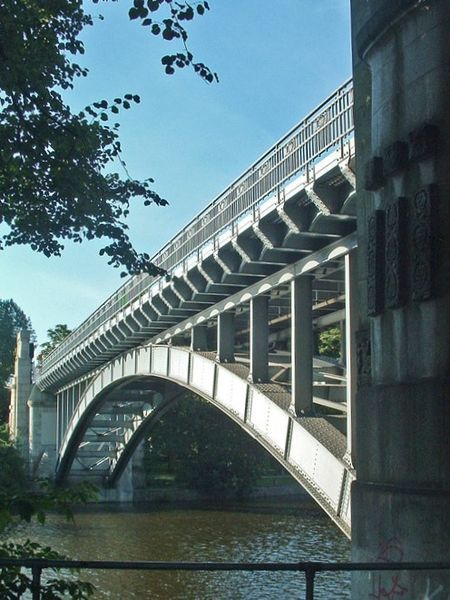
276,61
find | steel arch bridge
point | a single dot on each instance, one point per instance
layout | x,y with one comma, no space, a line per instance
251,281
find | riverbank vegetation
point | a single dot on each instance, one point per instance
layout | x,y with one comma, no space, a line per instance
24,499
197,447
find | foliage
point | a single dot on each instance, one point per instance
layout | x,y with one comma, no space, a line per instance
57,180
330,342
14,582
22,499
53,184
55,337
170,29
205,450
12,320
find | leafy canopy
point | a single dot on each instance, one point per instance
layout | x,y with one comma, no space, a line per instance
330,342
55,337
57,180
204,450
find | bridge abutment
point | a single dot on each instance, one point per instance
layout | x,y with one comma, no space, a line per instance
42,432
400,501
20,392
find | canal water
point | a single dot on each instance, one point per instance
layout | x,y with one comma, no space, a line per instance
257,531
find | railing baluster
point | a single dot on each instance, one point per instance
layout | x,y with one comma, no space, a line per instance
36,572
310,573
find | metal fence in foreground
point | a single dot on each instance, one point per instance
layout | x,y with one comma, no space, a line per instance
310,569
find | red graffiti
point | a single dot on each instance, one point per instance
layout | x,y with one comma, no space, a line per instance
394,589
390,550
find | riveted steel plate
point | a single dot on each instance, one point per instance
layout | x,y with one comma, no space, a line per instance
179,365
202,374
231,391
129,363
117,368
159,360
143,360
268,419
323,469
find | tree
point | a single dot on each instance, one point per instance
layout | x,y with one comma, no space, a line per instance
330,342
56,336
205,450
12,320
56,167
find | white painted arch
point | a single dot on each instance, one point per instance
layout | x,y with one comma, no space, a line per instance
311,450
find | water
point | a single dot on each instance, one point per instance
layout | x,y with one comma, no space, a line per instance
244,532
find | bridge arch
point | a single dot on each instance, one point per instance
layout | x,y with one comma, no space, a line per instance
309,448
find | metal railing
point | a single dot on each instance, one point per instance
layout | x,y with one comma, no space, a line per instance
327,127
309,568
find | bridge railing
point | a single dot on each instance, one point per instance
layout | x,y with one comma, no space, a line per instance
309,568
326,128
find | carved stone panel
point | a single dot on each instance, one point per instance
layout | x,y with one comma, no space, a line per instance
395,158
375,263
423,142
396,280
422,238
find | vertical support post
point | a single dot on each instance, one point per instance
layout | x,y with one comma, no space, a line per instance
199,340
65,401
225,337
58,422
350,346
36,582
301,345
310,573
76,396
71,402
259,339
343,346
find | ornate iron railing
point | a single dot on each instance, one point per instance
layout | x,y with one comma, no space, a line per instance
310,569
326,128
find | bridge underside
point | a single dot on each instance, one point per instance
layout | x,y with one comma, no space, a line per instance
290,226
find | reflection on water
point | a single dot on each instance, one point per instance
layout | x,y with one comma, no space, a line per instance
245,532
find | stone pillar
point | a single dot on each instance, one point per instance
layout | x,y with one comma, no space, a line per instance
19,419
225,337
42,410
401,498
259,339
302,345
